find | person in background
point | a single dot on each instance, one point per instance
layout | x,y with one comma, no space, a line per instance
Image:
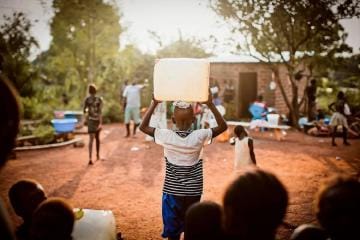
93,107
9,127
244,149
229,91
197,107
340,109
132,110
258,108
25,196
122,99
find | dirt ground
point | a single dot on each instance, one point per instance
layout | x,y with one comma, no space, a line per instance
129,180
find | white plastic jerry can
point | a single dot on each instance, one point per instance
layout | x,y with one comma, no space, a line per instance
181,79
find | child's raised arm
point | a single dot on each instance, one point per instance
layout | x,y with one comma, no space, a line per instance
222,126
144,126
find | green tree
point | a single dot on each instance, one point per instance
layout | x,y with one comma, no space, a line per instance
293,33
190,48
16,42
85,42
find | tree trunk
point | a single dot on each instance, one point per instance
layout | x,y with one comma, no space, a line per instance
292,105
295,113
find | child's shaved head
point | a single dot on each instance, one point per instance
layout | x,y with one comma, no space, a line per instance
183,117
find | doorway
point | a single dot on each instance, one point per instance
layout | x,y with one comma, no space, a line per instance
247,92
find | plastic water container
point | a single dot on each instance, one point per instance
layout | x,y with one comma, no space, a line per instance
185,79
73,114
273,119
95,225
64,125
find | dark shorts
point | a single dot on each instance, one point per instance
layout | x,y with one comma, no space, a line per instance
173,213
93,125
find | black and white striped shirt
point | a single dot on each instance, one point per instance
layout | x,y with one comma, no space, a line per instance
183,180
184,167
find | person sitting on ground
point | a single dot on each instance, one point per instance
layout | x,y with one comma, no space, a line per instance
203,221
93,106
9,127
53,220
338,208
254,206
25,196
319,129
244,149
183,183
309,232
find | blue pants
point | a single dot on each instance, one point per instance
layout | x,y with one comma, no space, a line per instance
173,213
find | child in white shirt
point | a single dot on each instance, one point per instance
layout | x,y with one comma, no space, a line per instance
244,149
183,183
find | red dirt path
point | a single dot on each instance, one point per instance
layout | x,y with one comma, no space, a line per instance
130,182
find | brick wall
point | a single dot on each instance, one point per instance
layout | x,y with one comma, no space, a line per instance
224,71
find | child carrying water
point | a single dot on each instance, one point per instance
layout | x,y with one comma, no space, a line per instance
183,185
244,149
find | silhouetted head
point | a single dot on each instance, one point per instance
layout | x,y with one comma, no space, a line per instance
92,89
240,132
25,196
309,232
53,220
341,95
203,221
9,119
260,98
338,208
183,115
313,82
254,205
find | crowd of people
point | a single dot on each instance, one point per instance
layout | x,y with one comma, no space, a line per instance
254,203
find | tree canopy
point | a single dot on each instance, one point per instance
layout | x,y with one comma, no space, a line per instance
186,48
15,45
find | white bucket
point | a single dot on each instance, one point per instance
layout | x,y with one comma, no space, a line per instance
273,119
185,79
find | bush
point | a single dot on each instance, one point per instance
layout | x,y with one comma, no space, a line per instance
45,134
112,112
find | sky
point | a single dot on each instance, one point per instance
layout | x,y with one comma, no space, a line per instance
168,18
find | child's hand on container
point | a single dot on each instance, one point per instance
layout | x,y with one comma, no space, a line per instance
210,100
154,100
